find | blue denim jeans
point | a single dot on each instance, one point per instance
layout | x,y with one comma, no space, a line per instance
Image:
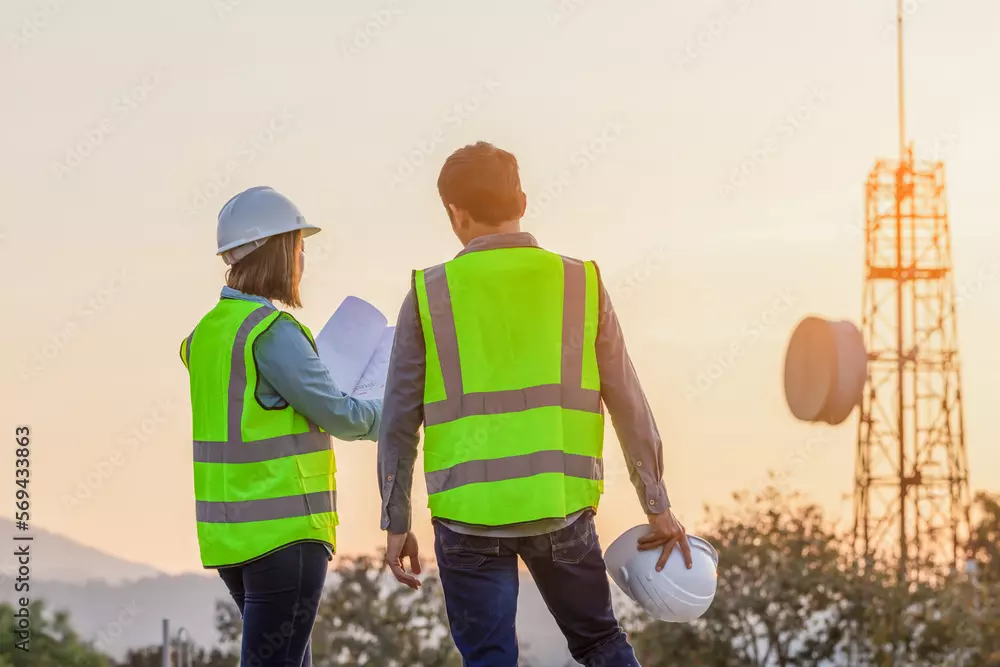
480,582
278,596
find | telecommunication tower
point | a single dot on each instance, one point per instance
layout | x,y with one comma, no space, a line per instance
911,496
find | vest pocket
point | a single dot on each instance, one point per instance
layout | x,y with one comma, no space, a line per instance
316,479
321,509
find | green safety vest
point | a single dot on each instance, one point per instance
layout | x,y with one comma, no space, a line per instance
263,477
513,422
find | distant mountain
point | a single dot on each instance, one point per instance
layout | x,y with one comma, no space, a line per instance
124,616
57,558
121,605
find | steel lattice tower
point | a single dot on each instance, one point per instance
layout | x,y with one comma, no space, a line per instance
911,479
911,493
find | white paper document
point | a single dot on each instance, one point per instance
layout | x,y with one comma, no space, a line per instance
355,345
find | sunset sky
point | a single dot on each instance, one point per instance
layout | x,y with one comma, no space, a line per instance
709,156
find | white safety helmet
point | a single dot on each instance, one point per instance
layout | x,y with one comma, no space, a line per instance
251,217
675,594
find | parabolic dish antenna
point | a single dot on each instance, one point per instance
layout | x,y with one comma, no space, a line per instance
826,366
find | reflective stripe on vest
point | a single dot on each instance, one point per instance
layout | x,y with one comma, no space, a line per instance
267,509
514,467
569,394
238,451
258,451
253,494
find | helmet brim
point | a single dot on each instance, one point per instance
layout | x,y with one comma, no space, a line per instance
306,229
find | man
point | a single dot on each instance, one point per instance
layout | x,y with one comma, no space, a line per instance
505,355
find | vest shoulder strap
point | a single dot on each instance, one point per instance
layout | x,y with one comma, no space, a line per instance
305,330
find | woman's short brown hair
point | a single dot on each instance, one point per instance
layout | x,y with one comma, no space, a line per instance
270,271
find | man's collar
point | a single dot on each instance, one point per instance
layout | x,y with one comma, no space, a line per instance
497,241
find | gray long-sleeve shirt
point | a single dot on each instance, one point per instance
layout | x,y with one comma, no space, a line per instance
403,414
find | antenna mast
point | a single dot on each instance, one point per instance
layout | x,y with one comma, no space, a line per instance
899,54
911,474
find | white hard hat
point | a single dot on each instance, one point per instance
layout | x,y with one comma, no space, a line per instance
675,594
248,219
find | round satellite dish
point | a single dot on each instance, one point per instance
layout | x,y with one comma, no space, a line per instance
826,366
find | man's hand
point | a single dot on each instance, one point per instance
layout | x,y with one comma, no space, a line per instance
398,547
667,531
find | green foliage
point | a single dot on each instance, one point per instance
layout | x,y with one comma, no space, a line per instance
367,618
53,643
228,623
791,595
230,628
779,573
985,549
152,657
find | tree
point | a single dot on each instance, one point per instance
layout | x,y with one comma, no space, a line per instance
366,618
779,575
951,621
53,643
229,624
791,594
984,548
152,656
230,628
918,624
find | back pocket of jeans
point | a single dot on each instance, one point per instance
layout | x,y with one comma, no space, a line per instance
572,544
467,551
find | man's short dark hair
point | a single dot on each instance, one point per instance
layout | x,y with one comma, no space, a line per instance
483,180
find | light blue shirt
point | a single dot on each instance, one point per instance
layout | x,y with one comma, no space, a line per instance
291,373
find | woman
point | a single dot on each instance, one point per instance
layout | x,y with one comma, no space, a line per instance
263,410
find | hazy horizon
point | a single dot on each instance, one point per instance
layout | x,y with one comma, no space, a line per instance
710,158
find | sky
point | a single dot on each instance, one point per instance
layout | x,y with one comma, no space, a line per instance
709,156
